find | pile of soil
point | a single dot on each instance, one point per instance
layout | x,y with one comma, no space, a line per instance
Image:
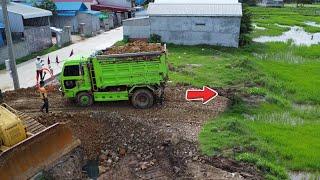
134,47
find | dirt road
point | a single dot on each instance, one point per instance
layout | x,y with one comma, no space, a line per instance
158,143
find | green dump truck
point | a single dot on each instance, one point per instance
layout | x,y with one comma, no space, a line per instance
138,77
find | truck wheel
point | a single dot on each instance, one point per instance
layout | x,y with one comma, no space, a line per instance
142,99
84,99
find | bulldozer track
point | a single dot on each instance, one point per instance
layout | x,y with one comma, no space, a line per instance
32,125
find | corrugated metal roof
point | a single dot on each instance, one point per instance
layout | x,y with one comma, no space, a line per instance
74,1
196,1
195,9
71,6
95,13
27,11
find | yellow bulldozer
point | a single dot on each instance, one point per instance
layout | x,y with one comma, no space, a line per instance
28,147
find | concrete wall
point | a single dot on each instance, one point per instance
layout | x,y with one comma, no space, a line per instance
20,49
137,28
38,38
63,35
92,23
271,3
62,21
222,31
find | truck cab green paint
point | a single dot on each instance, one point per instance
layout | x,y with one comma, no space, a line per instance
113,79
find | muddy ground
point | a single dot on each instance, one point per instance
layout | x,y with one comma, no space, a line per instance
158,143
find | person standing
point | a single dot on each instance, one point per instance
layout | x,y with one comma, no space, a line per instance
39,66
44,96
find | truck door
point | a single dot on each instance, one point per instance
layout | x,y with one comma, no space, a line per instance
72,75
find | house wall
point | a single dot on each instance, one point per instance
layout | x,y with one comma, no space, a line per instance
20,50
16,22
271,3
137,28
38,38
121,3
62,21
222,31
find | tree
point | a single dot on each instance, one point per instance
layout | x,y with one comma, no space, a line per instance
246,26
47,4
249,2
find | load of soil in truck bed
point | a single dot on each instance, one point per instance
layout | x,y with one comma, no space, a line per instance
134,47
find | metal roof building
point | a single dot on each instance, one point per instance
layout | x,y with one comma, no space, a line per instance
21,15
190,22
26,11
73,14
195,9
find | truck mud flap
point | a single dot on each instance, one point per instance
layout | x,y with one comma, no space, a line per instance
36,153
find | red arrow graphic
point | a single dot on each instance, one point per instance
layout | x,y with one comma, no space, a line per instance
205,95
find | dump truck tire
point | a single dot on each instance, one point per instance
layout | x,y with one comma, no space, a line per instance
142,99
84,99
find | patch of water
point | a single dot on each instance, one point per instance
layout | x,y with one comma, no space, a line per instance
288,57
310,23
304,176
255,26
278,118
297,34
282,26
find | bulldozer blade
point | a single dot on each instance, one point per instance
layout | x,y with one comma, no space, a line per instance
37,152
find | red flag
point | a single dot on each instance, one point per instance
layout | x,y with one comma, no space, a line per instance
49,62
71,54
57,59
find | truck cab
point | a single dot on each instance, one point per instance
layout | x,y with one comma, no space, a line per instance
74,78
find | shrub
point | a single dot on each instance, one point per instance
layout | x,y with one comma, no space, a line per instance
125,39
246,26
154,38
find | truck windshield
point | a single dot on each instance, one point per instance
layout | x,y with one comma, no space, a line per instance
71,70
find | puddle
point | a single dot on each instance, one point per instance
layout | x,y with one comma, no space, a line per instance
304,175
255,26
314,24
276,118
296,34
282,26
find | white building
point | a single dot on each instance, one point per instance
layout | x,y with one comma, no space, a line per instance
190,22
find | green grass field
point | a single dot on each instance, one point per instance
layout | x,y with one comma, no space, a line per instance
288,16
282,133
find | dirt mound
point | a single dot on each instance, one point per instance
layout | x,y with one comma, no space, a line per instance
134,47
158,143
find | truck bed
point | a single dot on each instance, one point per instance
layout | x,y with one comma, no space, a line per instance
129,69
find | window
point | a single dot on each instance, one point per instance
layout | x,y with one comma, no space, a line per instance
71,70
200,24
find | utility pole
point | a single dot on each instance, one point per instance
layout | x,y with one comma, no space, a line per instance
12,60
